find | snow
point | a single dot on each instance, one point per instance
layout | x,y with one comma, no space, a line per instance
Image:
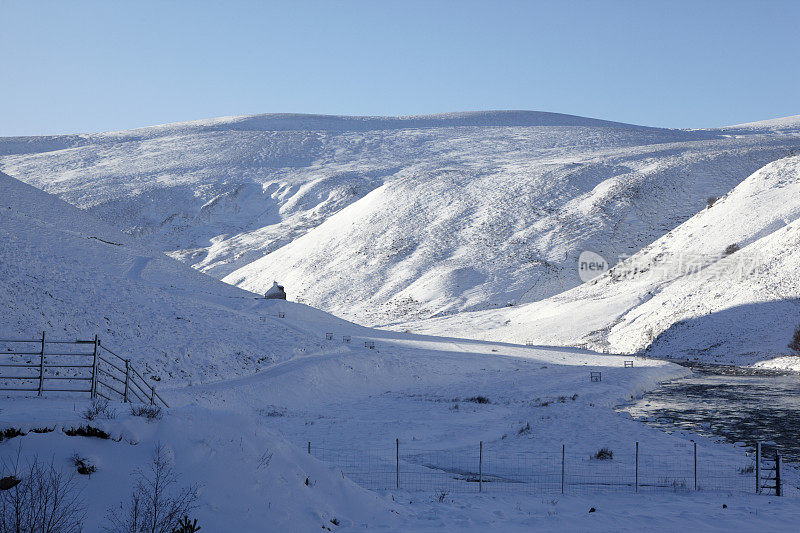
418,216
64,272
423,216
244,441
248,475
683,296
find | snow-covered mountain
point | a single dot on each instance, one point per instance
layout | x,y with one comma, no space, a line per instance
724,286
387,219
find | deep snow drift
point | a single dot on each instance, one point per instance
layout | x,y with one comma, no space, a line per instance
416,216
722,287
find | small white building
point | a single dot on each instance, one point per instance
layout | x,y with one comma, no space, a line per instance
275,292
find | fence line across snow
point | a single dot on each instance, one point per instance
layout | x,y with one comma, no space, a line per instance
484,469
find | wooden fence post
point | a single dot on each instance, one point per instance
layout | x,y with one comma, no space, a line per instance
397,461
563,447
695,466
637,467
127,377
778,489
152,395
41,368
480,468
758,468
309,447
94,368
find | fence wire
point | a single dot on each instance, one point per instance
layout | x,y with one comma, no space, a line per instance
498,471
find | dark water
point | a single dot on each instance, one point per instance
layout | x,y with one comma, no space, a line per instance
740,405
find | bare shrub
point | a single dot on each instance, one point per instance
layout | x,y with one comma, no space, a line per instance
795,344
150,412
603,454
44,499
711,200
157,503
99,409
83,465
86,431
10,433
478,399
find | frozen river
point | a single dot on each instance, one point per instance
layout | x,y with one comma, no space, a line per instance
738,404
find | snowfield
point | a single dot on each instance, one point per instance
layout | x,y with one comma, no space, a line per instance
684,296
417,216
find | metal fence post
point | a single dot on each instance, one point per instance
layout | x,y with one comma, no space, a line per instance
309,447
397,461
778,489
562,468
695,466
127,377
94,367
41,368
480,468
758,468
637,467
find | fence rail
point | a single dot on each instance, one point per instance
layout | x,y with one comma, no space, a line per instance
77,366
483,469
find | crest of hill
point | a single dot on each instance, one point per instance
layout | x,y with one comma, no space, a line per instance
782,125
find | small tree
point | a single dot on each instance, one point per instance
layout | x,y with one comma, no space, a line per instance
795,344
156,504
42,499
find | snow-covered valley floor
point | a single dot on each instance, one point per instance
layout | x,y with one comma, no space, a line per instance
353,399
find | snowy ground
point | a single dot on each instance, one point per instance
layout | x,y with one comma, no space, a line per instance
360,400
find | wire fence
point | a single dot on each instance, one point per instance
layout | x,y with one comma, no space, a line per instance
483,469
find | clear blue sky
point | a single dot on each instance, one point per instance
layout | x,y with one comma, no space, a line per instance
80,66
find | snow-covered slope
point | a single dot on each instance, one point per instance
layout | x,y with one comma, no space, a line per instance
415,216
244,483
688,294
64,272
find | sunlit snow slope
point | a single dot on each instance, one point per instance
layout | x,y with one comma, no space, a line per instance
387,219
63,272
689,294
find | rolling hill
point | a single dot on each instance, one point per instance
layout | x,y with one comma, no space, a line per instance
384,220
722,287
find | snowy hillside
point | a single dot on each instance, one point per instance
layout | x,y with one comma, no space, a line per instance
722,287
423,404
64,272
415,216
